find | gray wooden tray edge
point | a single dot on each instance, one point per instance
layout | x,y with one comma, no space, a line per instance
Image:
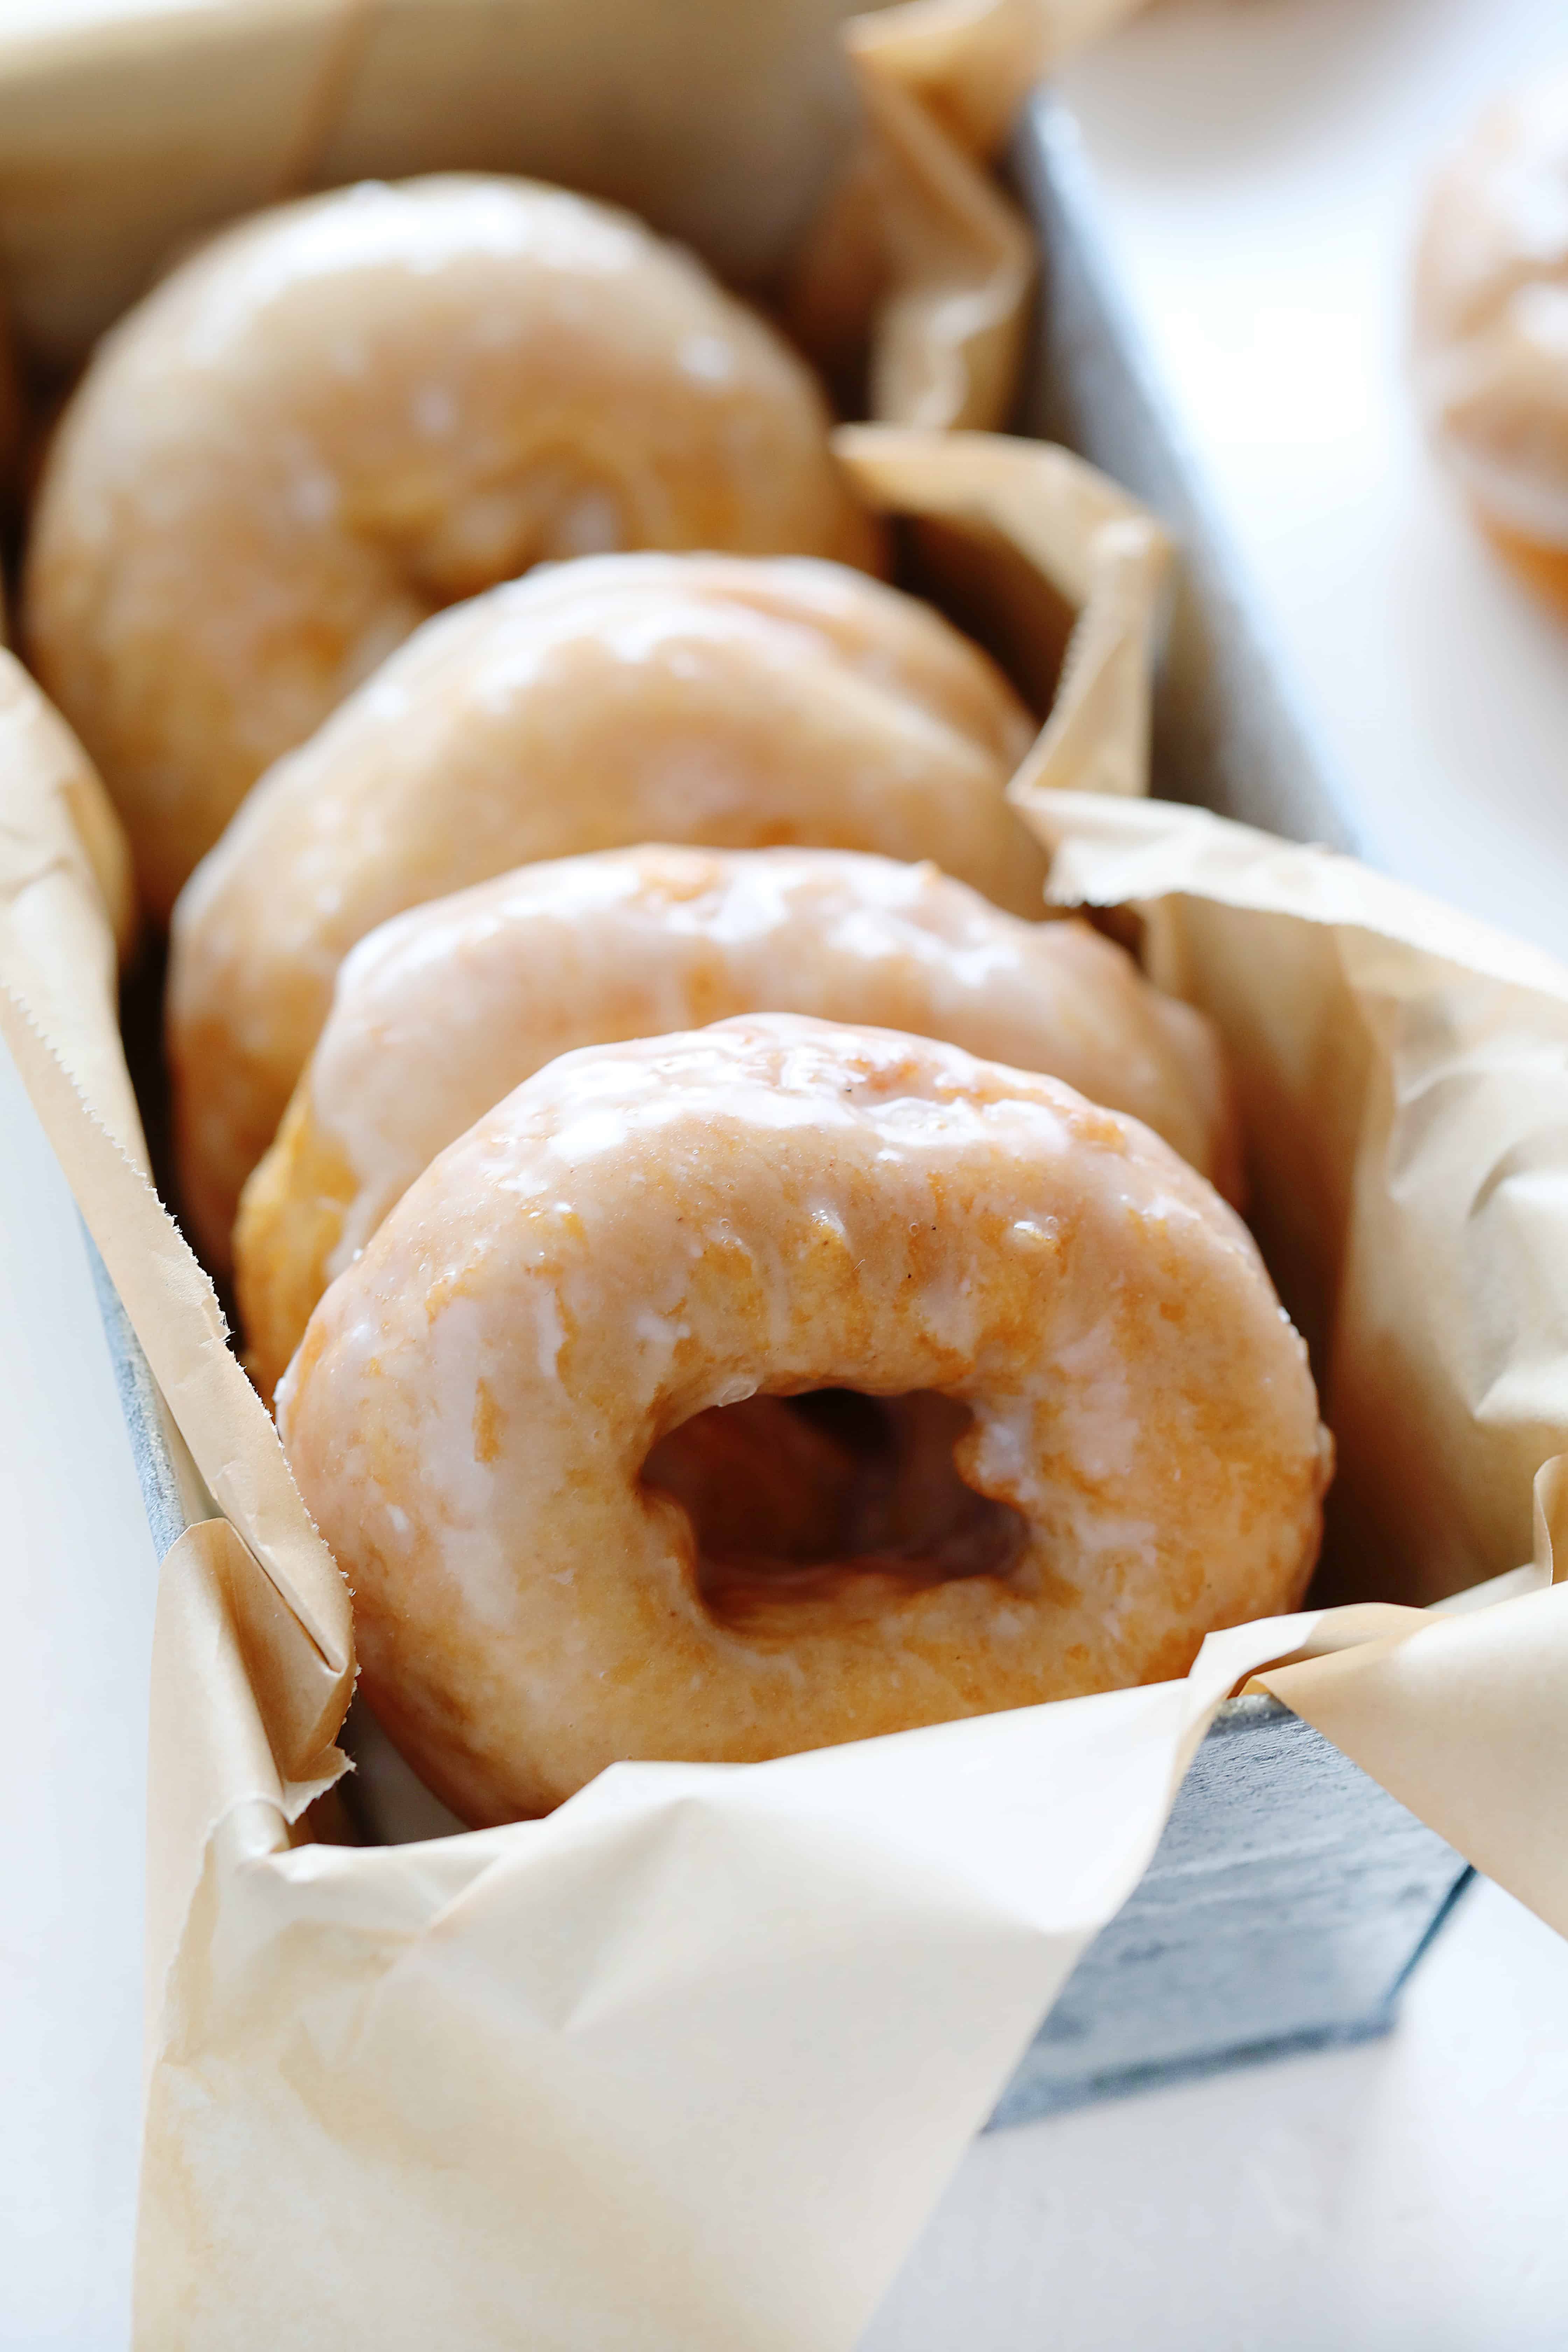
1289,1896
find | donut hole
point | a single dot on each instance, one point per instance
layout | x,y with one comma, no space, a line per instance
801,1497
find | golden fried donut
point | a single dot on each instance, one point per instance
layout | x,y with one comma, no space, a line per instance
443,1010
637,697
348,412
642,1231
1492,325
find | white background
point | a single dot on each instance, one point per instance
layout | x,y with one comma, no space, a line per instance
1259,160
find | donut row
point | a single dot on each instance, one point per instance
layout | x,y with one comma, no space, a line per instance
733,1276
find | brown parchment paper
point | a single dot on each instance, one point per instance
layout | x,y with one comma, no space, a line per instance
969,62
1102,553
67,904
128,131
1404,1073
685,2064
1405,1097
915,271
63,892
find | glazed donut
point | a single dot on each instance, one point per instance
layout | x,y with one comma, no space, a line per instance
348,412
642,1231
443,1010
638,698
1492,325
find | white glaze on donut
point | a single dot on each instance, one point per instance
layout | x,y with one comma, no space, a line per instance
443,1010
348,412
596,705
642,1232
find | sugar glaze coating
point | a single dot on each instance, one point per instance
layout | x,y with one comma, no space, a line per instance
776,1204
705,698
347,412
443,1010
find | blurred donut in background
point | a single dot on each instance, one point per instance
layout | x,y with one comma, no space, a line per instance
1490,352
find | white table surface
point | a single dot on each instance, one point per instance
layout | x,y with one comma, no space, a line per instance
1259,159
